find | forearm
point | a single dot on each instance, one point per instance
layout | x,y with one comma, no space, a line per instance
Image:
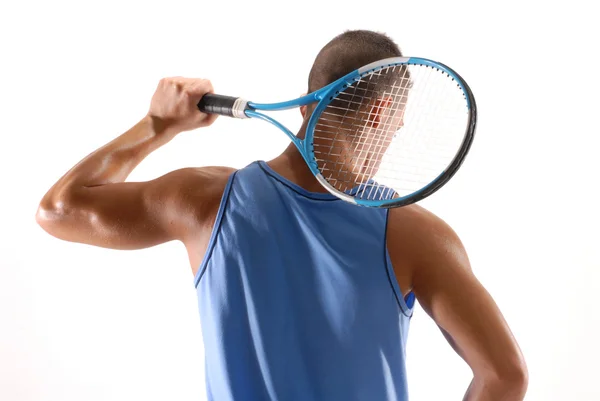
497,389
92,204
113,162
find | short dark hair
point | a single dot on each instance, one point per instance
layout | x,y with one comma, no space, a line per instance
348,52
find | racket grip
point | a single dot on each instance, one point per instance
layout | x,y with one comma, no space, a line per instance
223,105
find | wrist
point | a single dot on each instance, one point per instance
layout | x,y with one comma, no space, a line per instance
159,127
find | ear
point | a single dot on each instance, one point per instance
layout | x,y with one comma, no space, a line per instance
378,111
303,108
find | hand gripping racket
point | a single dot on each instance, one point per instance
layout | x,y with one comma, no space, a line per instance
386,135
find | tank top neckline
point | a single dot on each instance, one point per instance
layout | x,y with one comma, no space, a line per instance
293,186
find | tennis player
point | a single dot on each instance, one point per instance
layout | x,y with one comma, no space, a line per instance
302,296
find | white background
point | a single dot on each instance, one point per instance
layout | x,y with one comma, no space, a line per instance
83,323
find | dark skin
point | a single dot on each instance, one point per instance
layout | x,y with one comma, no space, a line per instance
92,204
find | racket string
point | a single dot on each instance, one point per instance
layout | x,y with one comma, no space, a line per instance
413,140
355,124
387,124
337,131
360,159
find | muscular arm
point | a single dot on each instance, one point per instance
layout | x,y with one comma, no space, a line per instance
450,293
92,204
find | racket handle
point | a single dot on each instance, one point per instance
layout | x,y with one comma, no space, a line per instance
223,105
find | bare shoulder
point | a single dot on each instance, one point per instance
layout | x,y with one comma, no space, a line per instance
194,196
418,241
198,189
418,226
206,175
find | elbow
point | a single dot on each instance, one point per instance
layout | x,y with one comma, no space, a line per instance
509,383
516,381
54,214
49,215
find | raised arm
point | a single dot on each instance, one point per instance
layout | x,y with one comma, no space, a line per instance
92,204
447,289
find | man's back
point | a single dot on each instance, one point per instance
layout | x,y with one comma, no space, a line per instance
296,297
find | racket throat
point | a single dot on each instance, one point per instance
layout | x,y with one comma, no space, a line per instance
239,108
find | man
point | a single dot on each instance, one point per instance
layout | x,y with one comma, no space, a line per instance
295,305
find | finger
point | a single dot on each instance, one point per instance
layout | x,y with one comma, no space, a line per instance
209,119
198,90
201,87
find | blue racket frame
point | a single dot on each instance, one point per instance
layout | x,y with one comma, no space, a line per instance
324,95
237,107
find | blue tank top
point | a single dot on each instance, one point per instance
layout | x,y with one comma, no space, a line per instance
297,297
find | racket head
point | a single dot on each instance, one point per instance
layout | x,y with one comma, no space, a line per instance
391,133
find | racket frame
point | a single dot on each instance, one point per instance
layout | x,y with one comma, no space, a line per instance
326,94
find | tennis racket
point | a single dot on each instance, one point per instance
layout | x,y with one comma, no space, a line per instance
386,135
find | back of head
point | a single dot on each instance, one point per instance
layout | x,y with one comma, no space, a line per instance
348,52
364,113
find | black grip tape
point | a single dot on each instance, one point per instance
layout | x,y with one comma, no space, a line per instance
217,104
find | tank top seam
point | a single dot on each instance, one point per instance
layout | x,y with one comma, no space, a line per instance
406,311
216,229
